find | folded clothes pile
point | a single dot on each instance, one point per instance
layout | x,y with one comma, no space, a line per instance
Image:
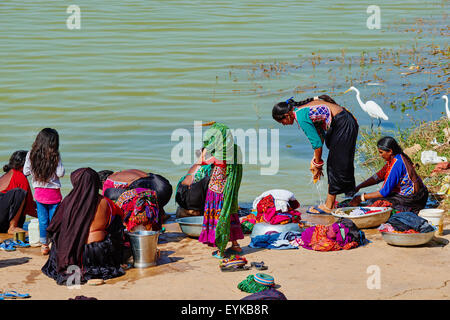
277,240
276,206
406,222
341,235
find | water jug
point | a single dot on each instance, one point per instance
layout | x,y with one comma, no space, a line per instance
33,232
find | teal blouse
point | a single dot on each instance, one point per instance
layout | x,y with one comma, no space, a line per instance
309,128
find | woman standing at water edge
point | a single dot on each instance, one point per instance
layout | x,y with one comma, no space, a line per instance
322,119
220,218
44,163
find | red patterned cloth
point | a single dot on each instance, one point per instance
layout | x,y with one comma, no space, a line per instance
320,241
381,203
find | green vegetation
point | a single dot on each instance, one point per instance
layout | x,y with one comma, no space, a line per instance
422,134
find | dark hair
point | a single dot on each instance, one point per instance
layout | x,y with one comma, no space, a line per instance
16,161
104,174
390,144
281,108
44,155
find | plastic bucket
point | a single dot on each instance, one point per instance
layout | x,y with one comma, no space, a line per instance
434,217
144,248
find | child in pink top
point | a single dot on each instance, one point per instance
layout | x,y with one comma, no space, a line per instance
44,163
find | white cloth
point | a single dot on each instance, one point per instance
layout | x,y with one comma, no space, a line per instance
281,198
54,182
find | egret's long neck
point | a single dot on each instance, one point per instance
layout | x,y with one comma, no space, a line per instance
358,97
446,104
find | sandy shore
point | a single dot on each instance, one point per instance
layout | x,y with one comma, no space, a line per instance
186,270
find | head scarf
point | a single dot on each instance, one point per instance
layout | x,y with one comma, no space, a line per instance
70,225
219,141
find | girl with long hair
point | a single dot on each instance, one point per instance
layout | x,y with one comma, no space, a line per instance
323,120
44,164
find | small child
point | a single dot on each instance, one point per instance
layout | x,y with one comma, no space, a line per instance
43,162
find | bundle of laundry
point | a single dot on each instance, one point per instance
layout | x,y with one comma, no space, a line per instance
341,235
406,222
277,240
277,206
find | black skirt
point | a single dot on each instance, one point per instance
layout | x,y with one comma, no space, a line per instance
10,203
340,140
101,260
193,197
413,203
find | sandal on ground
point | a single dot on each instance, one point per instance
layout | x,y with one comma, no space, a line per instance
319,211
20,244
7,246
14,295
230,250
234,268
216,254
259,265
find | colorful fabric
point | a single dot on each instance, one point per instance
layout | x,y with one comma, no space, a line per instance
381,203
47,195
396,178
322,114
140,207
281,198
211,217
315,238
18,180
308,127
220,214
218,179
114,184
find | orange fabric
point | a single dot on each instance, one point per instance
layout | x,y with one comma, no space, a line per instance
320,241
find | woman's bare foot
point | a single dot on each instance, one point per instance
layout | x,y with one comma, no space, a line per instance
236,247
13,230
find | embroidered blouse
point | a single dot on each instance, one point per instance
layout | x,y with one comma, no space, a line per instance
314,121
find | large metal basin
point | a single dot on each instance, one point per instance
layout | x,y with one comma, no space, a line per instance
407,239
319,218
370,220
263,227
191,226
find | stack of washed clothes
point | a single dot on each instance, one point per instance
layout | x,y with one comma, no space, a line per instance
276,206
341,235
406,222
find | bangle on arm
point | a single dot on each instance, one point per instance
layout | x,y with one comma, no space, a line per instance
317,164
363,198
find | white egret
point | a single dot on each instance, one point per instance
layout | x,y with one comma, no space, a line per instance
370,107
446,106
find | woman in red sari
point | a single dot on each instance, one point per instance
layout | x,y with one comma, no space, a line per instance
16,198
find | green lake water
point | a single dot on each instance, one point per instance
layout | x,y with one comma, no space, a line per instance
136,71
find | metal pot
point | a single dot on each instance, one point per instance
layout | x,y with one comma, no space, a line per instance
144,248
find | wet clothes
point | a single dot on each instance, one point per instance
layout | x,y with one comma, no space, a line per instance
157,183
403,221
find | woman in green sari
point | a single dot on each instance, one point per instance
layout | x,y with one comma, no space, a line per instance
220,218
